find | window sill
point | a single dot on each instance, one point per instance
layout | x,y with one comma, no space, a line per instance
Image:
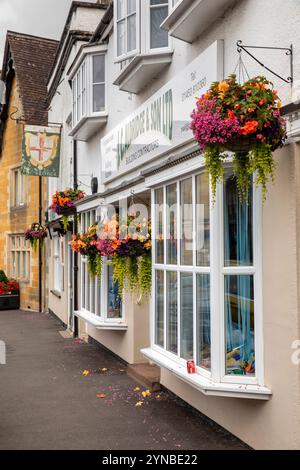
141,70
88,126
18,208
205,385
189,18
100,324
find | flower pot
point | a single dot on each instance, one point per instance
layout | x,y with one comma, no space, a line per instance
68,211
10,301
241,144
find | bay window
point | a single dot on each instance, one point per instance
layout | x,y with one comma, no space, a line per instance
137,28
206,280
88,79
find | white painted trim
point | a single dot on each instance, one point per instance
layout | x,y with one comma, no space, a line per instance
98,323
205,385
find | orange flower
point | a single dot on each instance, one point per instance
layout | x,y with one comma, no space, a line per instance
249,128
223,87
262,102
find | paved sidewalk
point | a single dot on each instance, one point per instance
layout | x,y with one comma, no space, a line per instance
47,402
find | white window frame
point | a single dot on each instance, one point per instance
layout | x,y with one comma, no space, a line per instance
58,264
217,272
127,55
89,60
18,199
100,289
77,96
85,95
19,245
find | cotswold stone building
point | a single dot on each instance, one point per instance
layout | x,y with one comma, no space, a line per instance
26,65
116,64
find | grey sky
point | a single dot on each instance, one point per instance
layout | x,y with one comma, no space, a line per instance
39,17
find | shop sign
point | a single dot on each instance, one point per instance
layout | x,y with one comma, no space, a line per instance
163,121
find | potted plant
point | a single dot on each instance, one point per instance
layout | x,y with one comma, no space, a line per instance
9,293
129,248
63,203
36,233
245,120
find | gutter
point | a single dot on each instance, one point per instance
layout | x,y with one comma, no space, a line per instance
105,21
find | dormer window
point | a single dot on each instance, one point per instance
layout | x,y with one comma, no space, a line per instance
88,80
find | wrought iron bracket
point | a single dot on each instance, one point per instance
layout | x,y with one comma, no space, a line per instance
288,51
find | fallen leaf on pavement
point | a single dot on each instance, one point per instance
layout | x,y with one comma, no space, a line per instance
139,403
101,395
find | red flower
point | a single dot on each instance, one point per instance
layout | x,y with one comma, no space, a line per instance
249,128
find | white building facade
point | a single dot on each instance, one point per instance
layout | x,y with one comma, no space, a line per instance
125,83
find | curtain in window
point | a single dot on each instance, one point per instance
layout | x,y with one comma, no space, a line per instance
158,37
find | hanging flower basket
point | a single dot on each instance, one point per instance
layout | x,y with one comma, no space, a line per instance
36,233
86,245
243,119
128,247
63,203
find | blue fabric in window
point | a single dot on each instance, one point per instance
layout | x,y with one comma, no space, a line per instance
239,298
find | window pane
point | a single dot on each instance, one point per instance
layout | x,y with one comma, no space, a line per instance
203,220
171,209
159,236
131,33
98,98
98,312
16,188
239,323
186,316
238,226
121,38
121,8
114,303
83,284
186,201
203,320
159,37
87,291
172,312
93,295
131,6
99,68
159,310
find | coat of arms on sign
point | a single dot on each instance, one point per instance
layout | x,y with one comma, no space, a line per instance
41,148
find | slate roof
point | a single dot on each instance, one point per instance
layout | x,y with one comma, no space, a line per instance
33,59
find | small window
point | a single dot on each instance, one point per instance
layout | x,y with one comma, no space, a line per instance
18,188
20,258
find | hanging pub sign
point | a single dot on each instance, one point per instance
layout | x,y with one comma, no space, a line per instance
41,151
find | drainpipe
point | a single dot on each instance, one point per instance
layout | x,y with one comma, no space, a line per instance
75,230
